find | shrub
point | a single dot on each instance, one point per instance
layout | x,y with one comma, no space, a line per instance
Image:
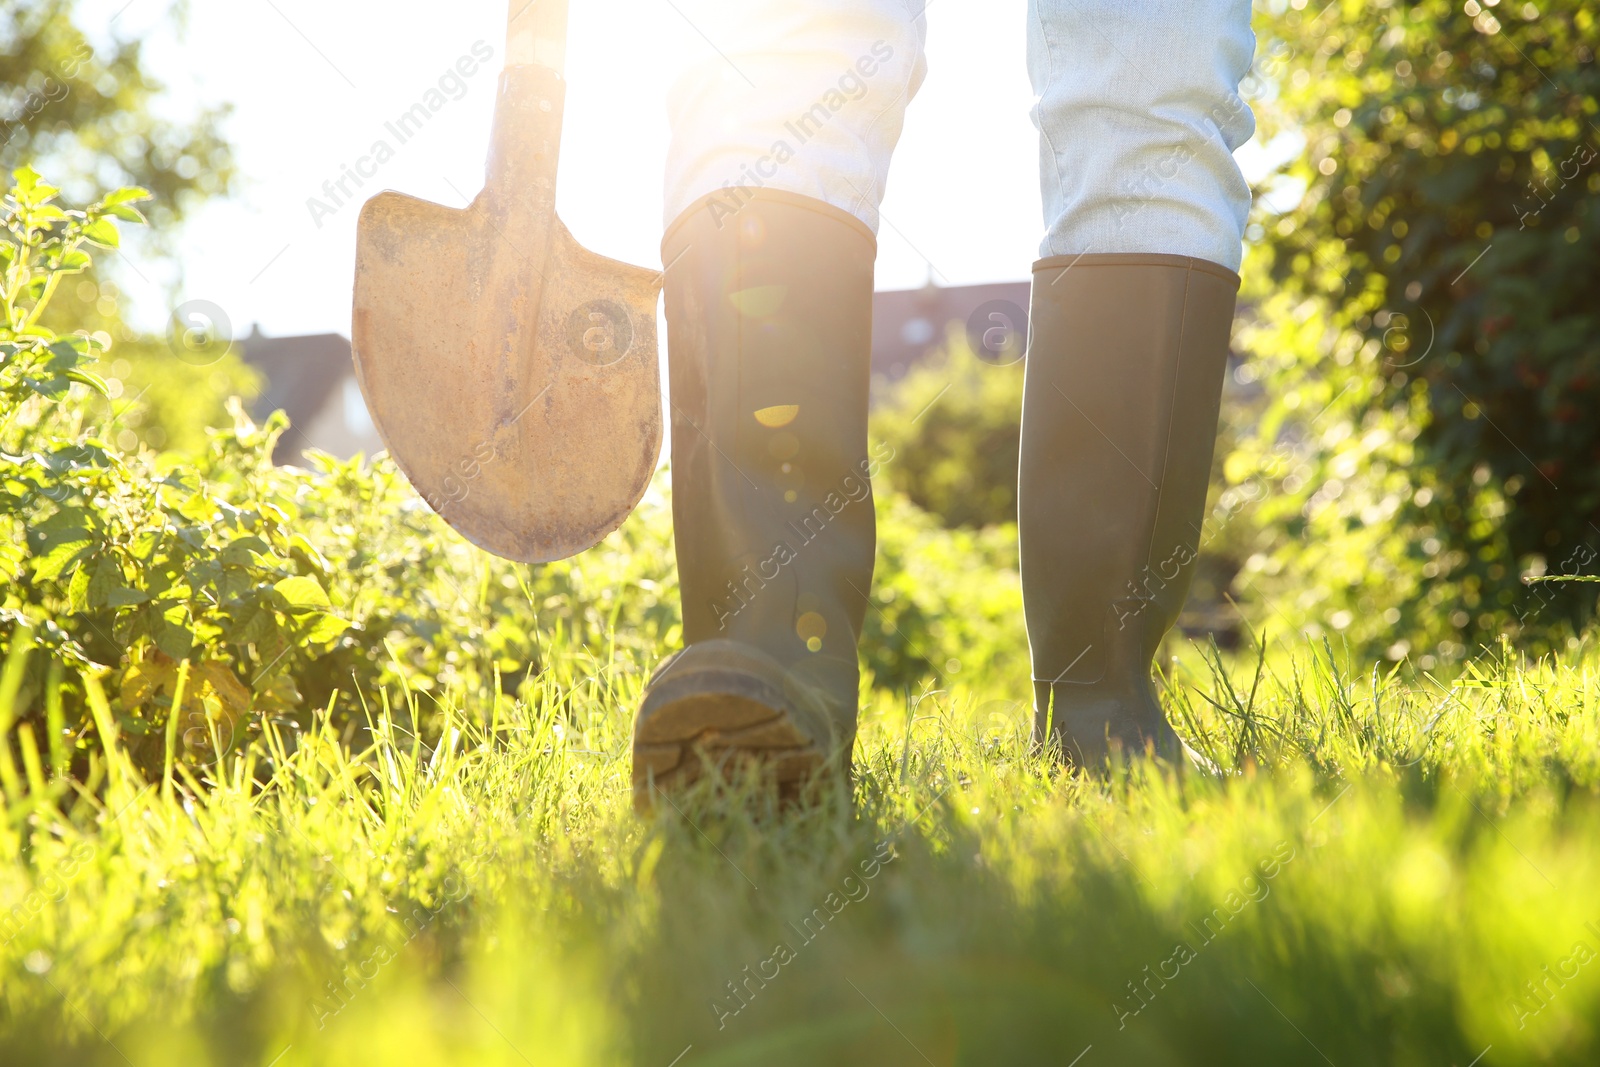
119,560
954,423
1428,329
947,604
160,402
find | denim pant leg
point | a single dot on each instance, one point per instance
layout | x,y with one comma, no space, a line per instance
806,96
1138,111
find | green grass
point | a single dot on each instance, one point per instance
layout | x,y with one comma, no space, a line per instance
1384,869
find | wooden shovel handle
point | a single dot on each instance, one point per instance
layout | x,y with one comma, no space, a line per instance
536,34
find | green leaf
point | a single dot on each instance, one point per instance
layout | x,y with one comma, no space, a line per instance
67,523
144,543
198,507
50,387
61,556
128,194
304,551
325,629
192,536
102,232
93,381
206,632
301,595
65,355
185,480
128,724
11,557
78,591
169,631
118,203
77,458
243,552
254,625
122,598
108,588
127,214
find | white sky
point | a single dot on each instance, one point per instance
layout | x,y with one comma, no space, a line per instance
312,83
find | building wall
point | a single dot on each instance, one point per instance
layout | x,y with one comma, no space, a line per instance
341,426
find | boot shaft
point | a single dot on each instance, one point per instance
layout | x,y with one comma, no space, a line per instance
1120,404
769,322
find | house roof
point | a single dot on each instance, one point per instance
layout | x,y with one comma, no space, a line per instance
299,374
910,324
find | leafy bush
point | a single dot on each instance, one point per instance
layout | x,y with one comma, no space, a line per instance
954,422
163,403
947,603
116,559
1427,325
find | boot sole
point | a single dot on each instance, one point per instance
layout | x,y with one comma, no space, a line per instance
718,722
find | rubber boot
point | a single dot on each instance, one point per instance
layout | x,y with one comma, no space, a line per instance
769,327
1121,393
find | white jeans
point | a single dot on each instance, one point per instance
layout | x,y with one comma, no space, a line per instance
1138,112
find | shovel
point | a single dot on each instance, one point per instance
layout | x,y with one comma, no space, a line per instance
512,373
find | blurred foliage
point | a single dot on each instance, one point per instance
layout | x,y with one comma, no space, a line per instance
954,423
1426,326
94,115
947,604
1414,430
89,114
161,402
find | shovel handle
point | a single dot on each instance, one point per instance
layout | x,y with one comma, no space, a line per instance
536,34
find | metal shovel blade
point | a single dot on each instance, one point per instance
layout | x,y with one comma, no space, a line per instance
512,374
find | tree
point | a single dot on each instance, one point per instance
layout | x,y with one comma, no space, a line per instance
90,116
953,423
1428,325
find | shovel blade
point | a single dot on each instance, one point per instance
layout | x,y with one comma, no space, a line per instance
512,373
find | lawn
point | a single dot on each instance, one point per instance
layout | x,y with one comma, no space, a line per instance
292,775
1392,870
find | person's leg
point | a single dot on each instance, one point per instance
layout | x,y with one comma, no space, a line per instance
805,97
1138,114
779,153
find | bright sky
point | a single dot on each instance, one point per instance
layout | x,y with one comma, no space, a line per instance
313,82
